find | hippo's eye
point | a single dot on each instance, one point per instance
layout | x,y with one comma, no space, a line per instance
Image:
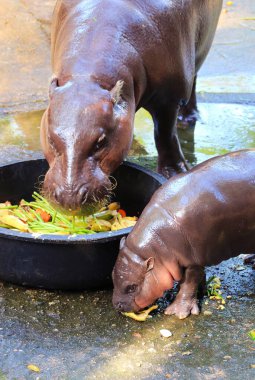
100,142
131,288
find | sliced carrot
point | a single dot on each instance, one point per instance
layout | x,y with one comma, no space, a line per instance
122,213
43,214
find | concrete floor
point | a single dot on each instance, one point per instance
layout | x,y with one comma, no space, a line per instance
79,335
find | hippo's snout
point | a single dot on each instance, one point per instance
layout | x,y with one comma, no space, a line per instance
124,305
73,199
121,306
81,199
80,194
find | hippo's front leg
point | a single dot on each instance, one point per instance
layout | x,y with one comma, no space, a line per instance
170,157
186,302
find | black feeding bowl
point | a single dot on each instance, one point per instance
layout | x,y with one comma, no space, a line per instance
66,262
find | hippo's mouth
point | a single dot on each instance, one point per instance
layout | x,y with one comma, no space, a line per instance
126,307
140,306
135,307
130,306
83,210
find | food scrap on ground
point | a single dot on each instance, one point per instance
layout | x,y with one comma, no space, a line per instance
213,290
33,368
207,313
252,334
40,217
165,333
141,316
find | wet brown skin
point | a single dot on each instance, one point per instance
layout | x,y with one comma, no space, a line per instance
109,58
195,219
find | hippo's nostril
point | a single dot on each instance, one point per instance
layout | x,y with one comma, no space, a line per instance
119,306
57,195
71,199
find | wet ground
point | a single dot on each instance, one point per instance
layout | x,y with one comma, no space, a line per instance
79,335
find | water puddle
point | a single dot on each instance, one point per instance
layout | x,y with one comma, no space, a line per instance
20,136
21,130
221,128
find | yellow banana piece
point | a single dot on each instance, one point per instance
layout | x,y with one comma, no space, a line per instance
141,316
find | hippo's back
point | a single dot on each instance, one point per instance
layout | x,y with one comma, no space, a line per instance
214,205
170,38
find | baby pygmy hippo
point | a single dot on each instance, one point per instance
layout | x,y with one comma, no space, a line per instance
195,219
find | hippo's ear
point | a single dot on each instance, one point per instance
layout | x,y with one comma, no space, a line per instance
122,242
149,263
53,85
116,92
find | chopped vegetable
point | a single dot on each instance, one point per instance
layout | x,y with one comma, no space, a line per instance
207,312
121,222
100,225
141,316
33,368
122,213
213,289
43,214
252,334
14,221
214,292
114,206
40,217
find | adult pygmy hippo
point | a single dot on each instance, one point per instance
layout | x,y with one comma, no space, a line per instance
195,219
109,58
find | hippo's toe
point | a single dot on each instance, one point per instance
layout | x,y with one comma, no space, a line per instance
183,308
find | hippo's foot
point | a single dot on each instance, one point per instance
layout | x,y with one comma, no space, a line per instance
188,114
182,308
186,302
250,260
171,160
189,120
169,171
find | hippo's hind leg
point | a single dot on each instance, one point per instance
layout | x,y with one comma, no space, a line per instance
186,302
170,157
188,114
